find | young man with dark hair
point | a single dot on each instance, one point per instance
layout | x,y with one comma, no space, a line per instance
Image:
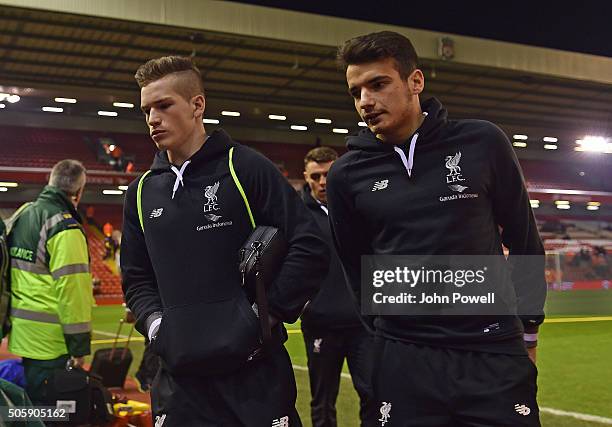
51,284
396,192
184,224
331,326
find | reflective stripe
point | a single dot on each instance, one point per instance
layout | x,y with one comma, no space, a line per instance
40,267
41,254
35,268
70,269
69,328
237,182
76,328
139,198
37,316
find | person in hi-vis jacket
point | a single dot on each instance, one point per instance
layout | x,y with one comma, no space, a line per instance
51,285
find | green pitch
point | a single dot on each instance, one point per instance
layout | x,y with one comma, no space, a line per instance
574,362
579,303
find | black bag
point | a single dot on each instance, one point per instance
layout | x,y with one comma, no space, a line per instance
261,258
113,364
68,388
101,402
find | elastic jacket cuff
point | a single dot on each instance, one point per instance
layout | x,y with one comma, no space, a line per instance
531,340
531,328
152,324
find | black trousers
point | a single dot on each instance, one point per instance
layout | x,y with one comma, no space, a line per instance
262,393
423,386
326,351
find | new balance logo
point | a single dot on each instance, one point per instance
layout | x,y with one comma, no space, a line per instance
522,409
380,185
156,213
281,422
159,420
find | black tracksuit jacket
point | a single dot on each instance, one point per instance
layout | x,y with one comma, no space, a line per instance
414,212
185,264
333,306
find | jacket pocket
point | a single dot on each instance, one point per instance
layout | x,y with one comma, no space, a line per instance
207,338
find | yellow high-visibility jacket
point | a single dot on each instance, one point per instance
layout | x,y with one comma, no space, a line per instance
51,286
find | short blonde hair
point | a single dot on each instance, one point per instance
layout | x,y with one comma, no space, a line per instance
182,66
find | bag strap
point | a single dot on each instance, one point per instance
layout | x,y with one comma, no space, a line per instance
234,177
10,221
112,352
262,308
260,289
127,344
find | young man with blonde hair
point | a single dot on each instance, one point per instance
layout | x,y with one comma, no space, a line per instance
184,224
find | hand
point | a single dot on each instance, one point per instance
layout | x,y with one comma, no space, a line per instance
78,361
531,352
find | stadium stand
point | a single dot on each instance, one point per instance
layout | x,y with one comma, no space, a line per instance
137,147
110,281
104,213
549,174
568,236
42,148
579,253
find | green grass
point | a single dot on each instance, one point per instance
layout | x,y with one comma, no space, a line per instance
574,362
579,303
575,367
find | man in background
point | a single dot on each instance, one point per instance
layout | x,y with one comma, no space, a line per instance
51,284
331,326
